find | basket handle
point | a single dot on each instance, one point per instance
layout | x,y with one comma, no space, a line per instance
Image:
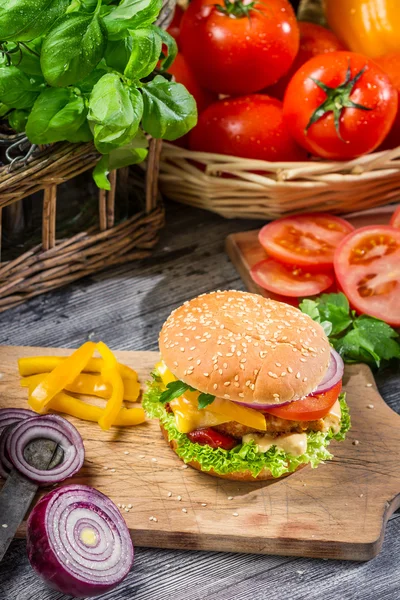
153,168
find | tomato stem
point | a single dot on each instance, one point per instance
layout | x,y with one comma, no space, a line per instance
337,100
235,8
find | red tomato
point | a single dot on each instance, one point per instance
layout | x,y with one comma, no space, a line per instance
289,280
367,266
395,220
390,63
183,74
175,26
314,40
307,240
233,126
212,437
239,48
340,105
309,409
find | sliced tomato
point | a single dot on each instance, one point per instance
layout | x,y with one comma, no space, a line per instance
289,280
307,240
309,409
213,438
395,220
367,266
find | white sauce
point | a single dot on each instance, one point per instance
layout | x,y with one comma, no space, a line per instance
292,443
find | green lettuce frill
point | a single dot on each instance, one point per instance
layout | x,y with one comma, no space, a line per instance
243,457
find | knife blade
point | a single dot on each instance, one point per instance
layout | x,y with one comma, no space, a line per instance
18,491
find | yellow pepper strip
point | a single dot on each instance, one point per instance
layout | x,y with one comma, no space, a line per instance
62,375
32,365
88,384
69,405
112,376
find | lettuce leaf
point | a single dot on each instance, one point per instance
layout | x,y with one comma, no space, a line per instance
243,457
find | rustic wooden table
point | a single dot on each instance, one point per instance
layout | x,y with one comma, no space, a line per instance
125,307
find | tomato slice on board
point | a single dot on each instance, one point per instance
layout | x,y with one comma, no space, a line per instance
395,220
307,240
289,280
309,409
367,266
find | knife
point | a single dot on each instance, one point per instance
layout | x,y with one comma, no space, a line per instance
18,491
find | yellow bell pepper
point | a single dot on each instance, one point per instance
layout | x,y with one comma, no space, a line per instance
370,27
88,384
64,373
32,365
111,375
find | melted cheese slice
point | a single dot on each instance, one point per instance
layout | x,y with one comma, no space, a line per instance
188,417
294,444
333,418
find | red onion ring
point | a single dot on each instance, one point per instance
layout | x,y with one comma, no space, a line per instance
333,375
52,427
78,541
5,464
8,416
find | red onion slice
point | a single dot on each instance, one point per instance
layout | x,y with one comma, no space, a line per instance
78,541
333,375
5,464
51,427
8,416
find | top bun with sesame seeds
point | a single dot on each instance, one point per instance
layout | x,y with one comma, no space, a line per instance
245,348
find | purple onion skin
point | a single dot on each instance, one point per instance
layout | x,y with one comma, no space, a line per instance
45,562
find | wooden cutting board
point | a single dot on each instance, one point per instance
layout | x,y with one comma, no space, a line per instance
245,251
336,511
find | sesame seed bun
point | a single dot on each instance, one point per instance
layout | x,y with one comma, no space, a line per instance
245,348
235,476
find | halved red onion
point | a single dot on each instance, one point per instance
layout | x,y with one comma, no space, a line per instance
8,416
78,541
333,375
5,464
51,427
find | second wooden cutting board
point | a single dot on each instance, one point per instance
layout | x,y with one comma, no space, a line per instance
336,511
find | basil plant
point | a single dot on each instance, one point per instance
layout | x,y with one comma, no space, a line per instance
82,70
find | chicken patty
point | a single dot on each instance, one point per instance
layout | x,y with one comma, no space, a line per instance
275,425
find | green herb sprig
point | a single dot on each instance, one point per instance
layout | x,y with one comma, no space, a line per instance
82,70
356,338
175,389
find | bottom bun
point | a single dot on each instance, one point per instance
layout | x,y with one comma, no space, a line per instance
265,474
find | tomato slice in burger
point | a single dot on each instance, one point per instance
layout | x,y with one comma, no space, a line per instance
310,408
395,220
367,266
289,280
307,240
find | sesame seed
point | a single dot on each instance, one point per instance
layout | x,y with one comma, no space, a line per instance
206,374
126,452
204,504
236,377
112,470
179,498
227,396
241,395
182,349
239,353
230,497
369,385
370,406
252,386
122,505
355,443
283,374
142,456
278,364
198,362
271,374
298,375
248,382
226,383
126,509
230,354
263,354
5,525
289,370
303,360
169,494
184,510
225,365
215,386
275,396
220,371
235,514
190,358
184,466
105,468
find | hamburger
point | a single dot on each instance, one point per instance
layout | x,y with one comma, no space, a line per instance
247,388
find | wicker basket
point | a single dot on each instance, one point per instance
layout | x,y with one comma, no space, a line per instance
108,240
238,187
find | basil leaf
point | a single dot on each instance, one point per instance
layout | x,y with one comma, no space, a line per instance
174,390
25,20
87,84
17,90
73,48
169,110
56,115
17,120
117,53
116,111
172,48
204,400
130,14
146,50
132,153
27,58
83,134
4,109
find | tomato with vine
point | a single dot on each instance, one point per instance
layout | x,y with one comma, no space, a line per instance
390,63
314,40
237,47
249,126
340,105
